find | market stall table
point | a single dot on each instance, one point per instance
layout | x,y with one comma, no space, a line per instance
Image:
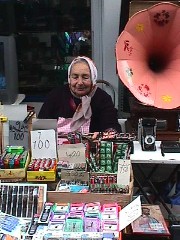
156,158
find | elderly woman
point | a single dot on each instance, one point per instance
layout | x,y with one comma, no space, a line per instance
81,100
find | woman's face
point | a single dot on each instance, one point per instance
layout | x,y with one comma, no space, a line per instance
80,79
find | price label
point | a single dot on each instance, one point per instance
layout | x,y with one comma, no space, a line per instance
72,175
124,170
43,144
130,213
73,153
18,134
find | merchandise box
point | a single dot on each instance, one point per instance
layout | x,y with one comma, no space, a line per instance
42,176
43,164
15,173
122,199
73,181
150,225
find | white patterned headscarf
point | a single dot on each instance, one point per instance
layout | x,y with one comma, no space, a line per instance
83,112
91,65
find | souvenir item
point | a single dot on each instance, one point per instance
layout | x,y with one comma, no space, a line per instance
148,55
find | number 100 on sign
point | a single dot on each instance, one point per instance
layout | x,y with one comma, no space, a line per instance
43,144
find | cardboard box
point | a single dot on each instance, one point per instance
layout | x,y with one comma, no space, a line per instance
33,176
15,173
43,157
122,199
41,176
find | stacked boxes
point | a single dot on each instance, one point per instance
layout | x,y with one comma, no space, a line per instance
121,152
77,221
106,157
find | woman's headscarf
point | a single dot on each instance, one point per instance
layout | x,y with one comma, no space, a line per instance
83,112
92,67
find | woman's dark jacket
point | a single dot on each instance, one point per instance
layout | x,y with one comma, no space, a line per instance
61,103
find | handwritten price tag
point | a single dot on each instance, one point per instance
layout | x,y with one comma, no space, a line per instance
18,134
72,175
130,213
43,144
74,153
124,170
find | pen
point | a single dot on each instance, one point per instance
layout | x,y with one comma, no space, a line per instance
30,114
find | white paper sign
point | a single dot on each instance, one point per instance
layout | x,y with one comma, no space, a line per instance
12,112
130,213
124,170
74,153
18,134
43,144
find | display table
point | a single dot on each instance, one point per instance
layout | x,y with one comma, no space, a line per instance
155,158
